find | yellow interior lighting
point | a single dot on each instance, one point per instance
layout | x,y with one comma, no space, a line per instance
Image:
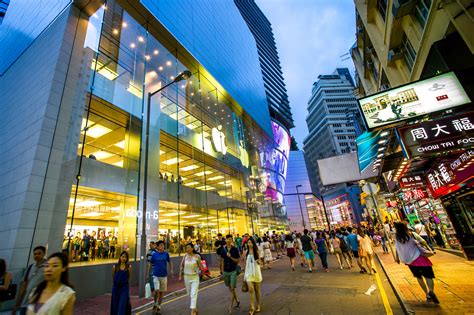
103,70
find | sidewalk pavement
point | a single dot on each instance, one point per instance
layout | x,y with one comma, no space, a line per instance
100,305
454,284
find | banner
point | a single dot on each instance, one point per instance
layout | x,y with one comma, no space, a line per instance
447,174
437,136
412,100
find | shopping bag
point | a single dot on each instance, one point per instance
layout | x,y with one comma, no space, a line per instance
147,291
245,287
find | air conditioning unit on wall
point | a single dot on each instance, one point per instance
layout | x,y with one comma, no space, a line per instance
395,53
400,8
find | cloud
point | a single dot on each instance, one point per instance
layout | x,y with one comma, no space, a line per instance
311,35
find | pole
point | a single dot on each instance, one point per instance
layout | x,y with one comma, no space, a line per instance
301,209
380,218
325,212
143,261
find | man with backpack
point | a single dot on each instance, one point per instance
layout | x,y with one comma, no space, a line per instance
309,249
346,255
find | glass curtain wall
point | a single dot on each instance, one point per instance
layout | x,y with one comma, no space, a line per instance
199,161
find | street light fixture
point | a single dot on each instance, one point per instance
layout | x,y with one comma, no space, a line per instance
301,209
180,77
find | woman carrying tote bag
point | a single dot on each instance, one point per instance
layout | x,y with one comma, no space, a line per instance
253,274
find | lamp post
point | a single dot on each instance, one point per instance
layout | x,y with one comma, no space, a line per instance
325,212
301,209
143,263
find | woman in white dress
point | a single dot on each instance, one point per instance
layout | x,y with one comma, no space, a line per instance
267,251
366,252
253,274
53,296
190,268
261,252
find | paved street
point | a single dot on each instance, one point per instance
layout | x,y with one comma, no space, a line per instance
300,292
453,285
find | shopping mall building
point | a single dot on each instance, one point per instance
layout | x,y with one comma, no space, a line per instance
74,116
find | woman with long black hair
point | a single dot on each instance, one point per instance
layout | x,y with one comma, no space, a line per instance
410,252
253,274
121,273
53,296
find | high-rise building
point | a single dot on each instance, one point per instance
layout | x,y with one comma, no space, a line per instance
82,144
331,127
275,89
403,41
303,208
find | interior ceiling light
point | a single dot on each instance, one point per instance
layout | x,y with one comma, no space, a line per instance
381,141
381,149
216,177
191,183
91,214
202,173
189,168
119,163
120,144
155,52
170,214
172,161
134,90
380,155
102,155
103,70
384,134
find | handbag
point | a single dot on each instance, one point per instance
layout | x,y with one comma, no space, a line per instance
245,286
147,291
424,251
238,269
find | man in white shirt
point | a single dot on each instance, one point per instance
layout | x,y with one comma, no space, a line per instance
420,229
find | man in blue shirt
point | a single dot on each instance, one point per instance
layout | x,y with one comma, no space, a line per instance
353,244
158,260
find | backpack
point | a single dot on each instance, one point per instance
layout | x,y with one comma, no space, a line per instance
343,245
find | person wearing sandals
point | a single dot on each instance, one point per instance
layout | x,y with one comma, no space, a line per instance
410,252
230,257
190,268
253,274
290,250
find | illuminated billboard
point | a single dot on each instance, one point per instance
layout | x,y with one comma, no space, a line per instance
282,138
412,100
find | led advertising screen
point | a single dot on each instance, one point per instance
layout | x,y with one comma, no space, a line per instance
282,138
438,136
412,100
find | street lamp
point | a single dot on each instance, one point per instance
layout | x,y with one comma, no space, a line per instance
301,209
143,263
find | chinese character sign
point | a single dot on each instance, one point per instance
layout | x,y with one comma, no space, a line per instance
411,181
448,173
438,136
413,195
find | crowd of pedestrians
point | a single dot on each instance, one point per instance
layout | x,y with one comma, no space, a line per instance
45,288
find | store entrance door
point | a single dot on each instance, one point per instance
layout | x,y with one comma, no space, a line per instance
461,212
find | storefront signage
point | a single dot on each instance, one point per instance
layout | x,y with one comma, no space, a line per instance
411,181
450,172
244,155
413,195
218,139
438,136
412,100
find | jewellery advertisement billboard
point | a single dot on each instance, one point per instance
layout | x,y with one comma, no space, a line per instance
413,100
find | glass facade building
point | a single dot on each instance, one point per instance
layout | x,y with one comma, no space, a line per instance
75,152
304,209
275,89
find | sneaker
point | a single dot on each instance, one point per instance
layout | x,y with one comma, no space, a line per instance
311,270
326,270
340,267
433,297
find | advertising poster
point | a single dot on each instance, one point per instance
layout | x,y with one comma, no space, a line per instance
437,136
412,100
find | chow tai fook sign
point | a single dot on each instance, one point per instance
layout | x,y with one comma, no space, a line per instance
412,100
438,136
447,174
411,181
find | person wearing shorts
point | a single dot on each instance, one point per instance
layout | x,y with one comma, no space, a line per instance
230,259
308,248
354,247
159,260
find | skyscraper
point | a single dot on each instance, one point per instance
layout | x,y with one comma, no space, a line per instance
333,127
275,89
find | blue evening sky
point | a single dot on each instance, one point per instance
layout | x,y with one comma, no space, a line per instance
311,35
